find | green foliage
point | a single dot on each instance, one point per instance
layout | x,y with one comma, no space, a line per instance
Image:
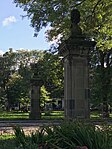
14,88
101,77
44,96
17,71
96,18
53,76
6,69
7,143
81,135
67,136
49,70
20,136
95,22
28,142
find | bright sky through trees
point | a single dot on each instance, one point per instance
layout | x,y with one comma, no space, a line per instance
16,32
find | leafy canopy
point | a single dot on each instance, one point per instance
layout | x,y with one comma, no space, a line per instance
96,17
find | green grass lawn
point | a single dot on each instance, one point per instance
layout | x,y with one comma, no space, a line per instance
45,115
97,115
13,115
22,116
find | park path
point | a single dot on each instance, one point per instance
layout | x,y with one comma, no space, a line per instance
29,126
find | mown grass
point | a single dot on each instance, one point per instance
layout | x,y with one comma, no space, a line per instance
24,116
50,115
13,115
53,115
97,115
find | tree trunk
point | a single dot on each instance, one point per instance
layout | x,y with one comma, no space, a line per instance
106,81
105,110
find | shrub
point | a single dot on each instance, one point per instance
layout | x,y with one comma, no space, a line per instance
69,135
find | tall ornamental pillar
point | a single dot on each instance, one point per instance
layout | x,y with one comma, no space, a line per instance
75,52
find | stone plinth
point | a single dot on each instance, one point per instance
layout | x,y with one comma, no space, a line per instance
35,99
76,85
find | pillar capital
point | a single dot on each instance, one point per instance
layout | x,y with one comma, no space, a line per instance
79,46
36,82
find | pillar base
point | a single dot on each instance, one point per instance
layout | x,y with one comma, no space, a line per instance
35,116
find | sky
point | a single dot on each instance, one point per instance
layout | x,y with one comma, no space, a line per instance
16,32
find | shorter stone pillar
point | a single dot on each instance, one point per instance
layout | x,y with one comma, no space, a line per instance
35,99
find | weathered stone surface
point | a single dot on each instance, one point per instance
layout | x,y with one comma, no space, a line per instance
76,86
35,99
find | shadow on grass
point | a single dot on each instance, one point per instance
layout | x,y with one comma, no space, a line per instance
50,115
13,115
45,115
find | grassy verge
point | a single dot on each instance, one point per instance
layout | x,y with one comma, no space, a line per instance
45,115
53,115
23,116
13,115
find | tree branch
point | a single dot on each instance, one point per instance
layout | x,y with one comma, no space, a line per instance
93,12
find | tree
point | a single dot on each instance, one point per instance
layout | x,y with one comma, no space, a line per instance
16,74
7,64
44,96
102,79
14,90
96,18
49,70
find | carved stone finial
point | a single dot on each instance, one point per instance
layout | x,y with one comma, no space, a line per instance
75,16
75,19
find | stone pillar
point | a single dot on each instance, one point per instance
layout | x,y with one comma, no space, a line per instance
35,99
75,55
